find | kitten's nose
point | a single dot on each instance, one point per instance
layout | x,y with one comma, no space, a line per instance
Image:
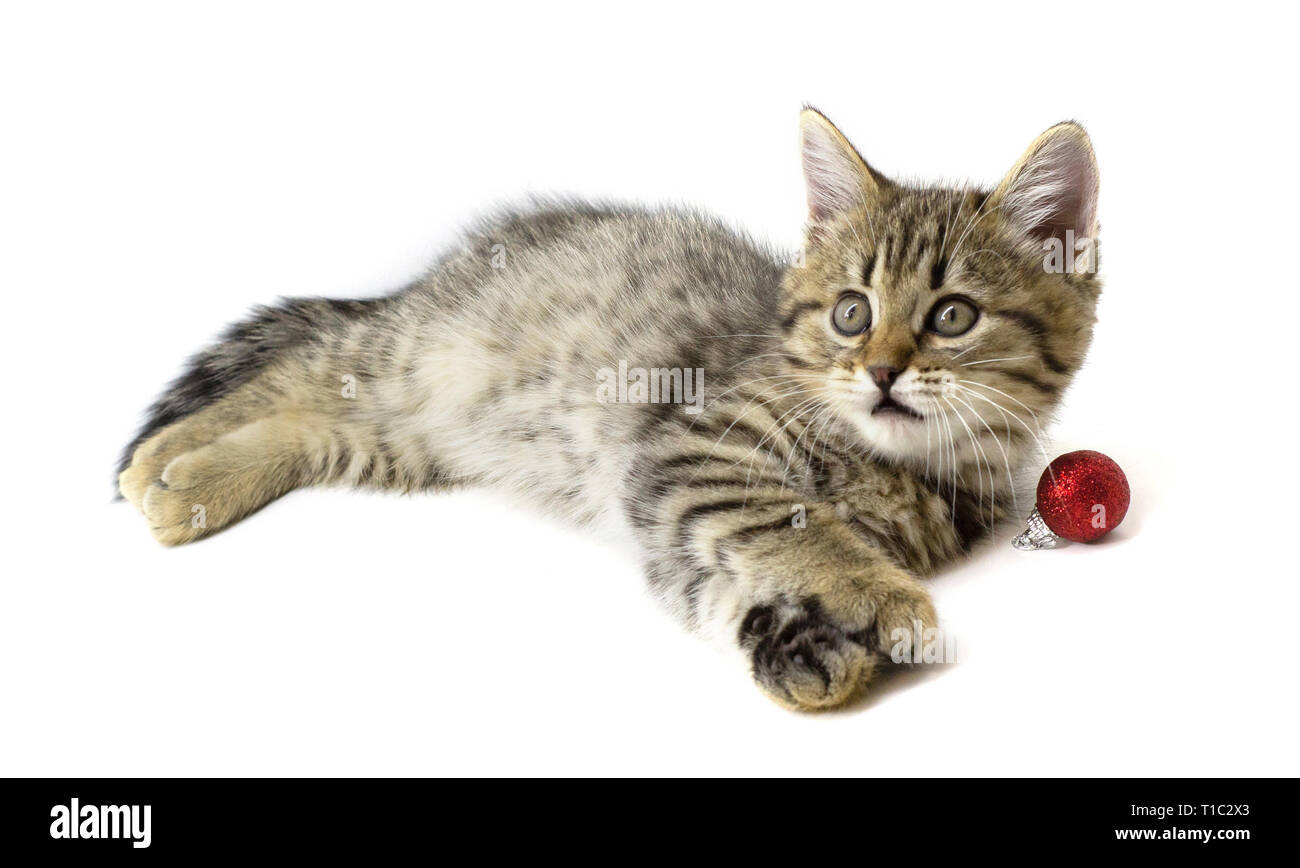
883,377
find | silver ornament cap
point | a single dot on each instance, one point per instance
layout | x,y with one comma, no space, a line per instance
1036,536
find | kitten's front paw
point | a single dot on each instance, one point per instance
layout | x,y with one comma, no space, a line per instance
803,659
806,655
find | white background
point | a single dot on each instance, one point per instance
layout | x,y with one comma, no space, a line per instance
165,167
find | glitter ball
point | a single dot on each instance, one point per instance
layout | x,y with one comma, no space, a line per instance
1083,495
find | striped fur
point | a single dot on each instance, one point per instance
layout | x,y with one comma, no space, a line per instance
778,515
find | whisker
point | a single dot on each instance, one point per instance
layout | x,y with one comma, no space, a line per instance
1006,460
1031,413
750,359
824,410
927,447
793,414
991,361
952,511
962,353
716,398
974,221
980,457
743,410
778,428
1037,439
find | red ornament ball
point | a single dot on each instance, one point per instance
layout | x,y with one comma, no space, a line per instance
1082,495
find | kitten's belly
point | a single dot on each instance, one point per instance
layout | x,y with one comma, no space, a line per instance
524,424
505,389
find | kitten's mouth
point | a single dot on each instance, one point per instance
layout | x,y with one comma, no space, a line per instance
887,406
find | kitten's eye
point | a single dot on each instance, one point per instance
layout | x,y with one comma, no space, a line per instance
953,316
852,314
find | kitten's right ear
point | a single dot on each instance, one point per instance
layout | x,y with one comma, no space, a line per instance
837,177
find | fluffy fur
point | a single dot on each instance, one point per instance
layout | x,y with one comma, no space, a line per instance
824,475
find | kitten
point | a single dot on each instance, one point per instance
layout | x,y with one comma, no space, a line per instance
857,421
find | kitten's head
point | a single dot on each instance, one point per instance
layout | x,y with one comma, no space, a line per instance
933,320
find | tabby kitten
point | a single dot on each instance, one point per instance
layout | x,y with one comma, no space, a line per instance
856,421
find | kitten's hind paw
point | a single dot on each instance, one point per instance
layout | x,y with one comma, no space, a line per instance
191,493
188,500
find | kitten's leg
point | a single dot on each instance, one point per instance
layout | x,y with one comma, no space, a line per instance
148,460
293,396
189,488
287,429
810,603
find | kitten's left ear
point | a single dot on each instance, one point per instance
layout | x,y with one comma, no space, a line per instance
1053,187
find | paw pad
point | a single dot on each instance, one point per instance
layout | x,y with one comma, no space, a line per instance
801,657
